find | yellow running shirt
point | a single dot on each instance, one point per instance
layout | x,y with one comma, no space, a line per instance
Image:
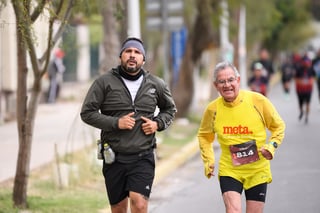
241,130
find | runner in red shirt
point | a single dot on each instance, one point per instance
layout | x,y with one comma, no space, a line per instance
304,78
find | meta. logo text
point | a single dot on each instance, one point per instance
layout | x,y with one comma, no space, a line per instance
236,130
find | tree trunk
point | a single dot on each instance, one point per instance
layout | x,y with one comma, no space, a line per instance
111,43
200,38
23,162
183,90
27,107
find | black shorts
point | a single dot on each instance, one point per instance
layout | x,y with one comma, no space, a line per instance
304,98
121,178
256,193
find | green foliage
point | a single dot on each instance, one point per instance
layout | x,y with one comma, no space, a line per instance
96,34
293,28
6,204
87,7
261,18
68,201
91,8
86,190
49,199
275,24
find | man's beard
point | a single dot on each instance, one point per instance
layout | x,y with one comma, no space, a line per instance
131,69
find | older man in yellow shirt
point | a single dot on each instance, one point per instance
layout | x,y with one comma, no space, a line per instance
239,120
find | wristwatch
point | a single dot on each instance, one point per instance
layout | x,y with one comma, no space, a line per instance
274,144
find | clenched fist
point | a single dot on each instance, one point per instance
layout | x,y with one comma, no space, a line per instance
127,121
149,126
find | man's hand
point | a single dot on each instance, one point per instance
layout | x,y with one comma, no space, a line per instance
149,126
266,154
127,121
211,168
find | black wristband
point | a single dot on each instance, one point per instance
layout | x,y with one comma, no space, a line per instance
160,124
274,144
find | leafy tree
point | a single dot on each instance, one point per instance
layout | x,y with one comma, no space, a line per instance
277,25
112,13
293,27
26,13
315,8
202,35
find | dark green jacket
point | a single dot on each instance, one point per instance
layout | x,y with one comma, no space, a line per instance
108,99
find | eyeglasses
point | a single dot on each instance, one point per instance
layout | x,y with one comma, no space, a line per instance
224,82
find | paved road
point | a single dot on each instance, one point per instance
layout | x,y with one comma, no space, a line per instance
295,169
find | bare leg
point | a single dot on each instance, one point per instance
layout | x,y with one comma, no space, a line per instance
301,111
307,112
120,207
254,206
232,201
138,203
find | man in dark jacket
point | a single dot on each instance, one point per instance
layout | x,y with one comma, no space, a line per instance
122,103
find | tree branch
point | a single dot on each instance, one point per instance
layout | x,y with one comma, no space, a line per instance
26,5
38,10
58,34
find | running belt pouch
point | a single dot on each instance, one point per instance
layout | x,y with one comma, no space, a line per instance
127,158
130,158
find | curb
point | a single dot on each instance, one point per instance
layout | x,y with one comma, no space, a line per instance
168,165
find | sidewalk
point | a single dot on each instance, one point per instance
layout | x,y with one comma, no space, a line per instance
56,124
60,125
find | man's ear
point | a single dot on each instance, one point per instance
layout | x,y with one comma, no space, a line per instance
215,84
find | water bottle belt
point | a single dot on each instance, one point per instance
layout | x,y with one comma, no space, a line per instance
139,154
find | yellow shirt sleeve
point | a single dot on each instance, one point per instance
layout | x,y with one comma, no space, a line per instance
272,120
206,137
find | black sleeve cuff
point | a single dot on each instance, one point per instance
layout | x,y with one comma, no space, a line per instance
160,124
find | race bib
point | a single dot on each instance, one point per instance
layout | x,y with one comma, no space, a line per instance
244,153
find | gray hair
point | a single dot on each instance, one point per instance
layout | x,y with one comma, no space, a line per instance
223,65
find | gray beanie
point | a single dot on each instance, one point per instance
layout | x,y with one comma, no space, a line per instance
133,42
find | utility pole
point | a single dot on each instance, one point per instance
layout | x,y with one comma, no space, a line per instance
134,29
242,47
226,46
164,14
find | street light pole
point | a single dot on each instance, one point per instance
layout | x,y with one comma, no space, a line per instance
133,19
226,46
165,34
242,47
